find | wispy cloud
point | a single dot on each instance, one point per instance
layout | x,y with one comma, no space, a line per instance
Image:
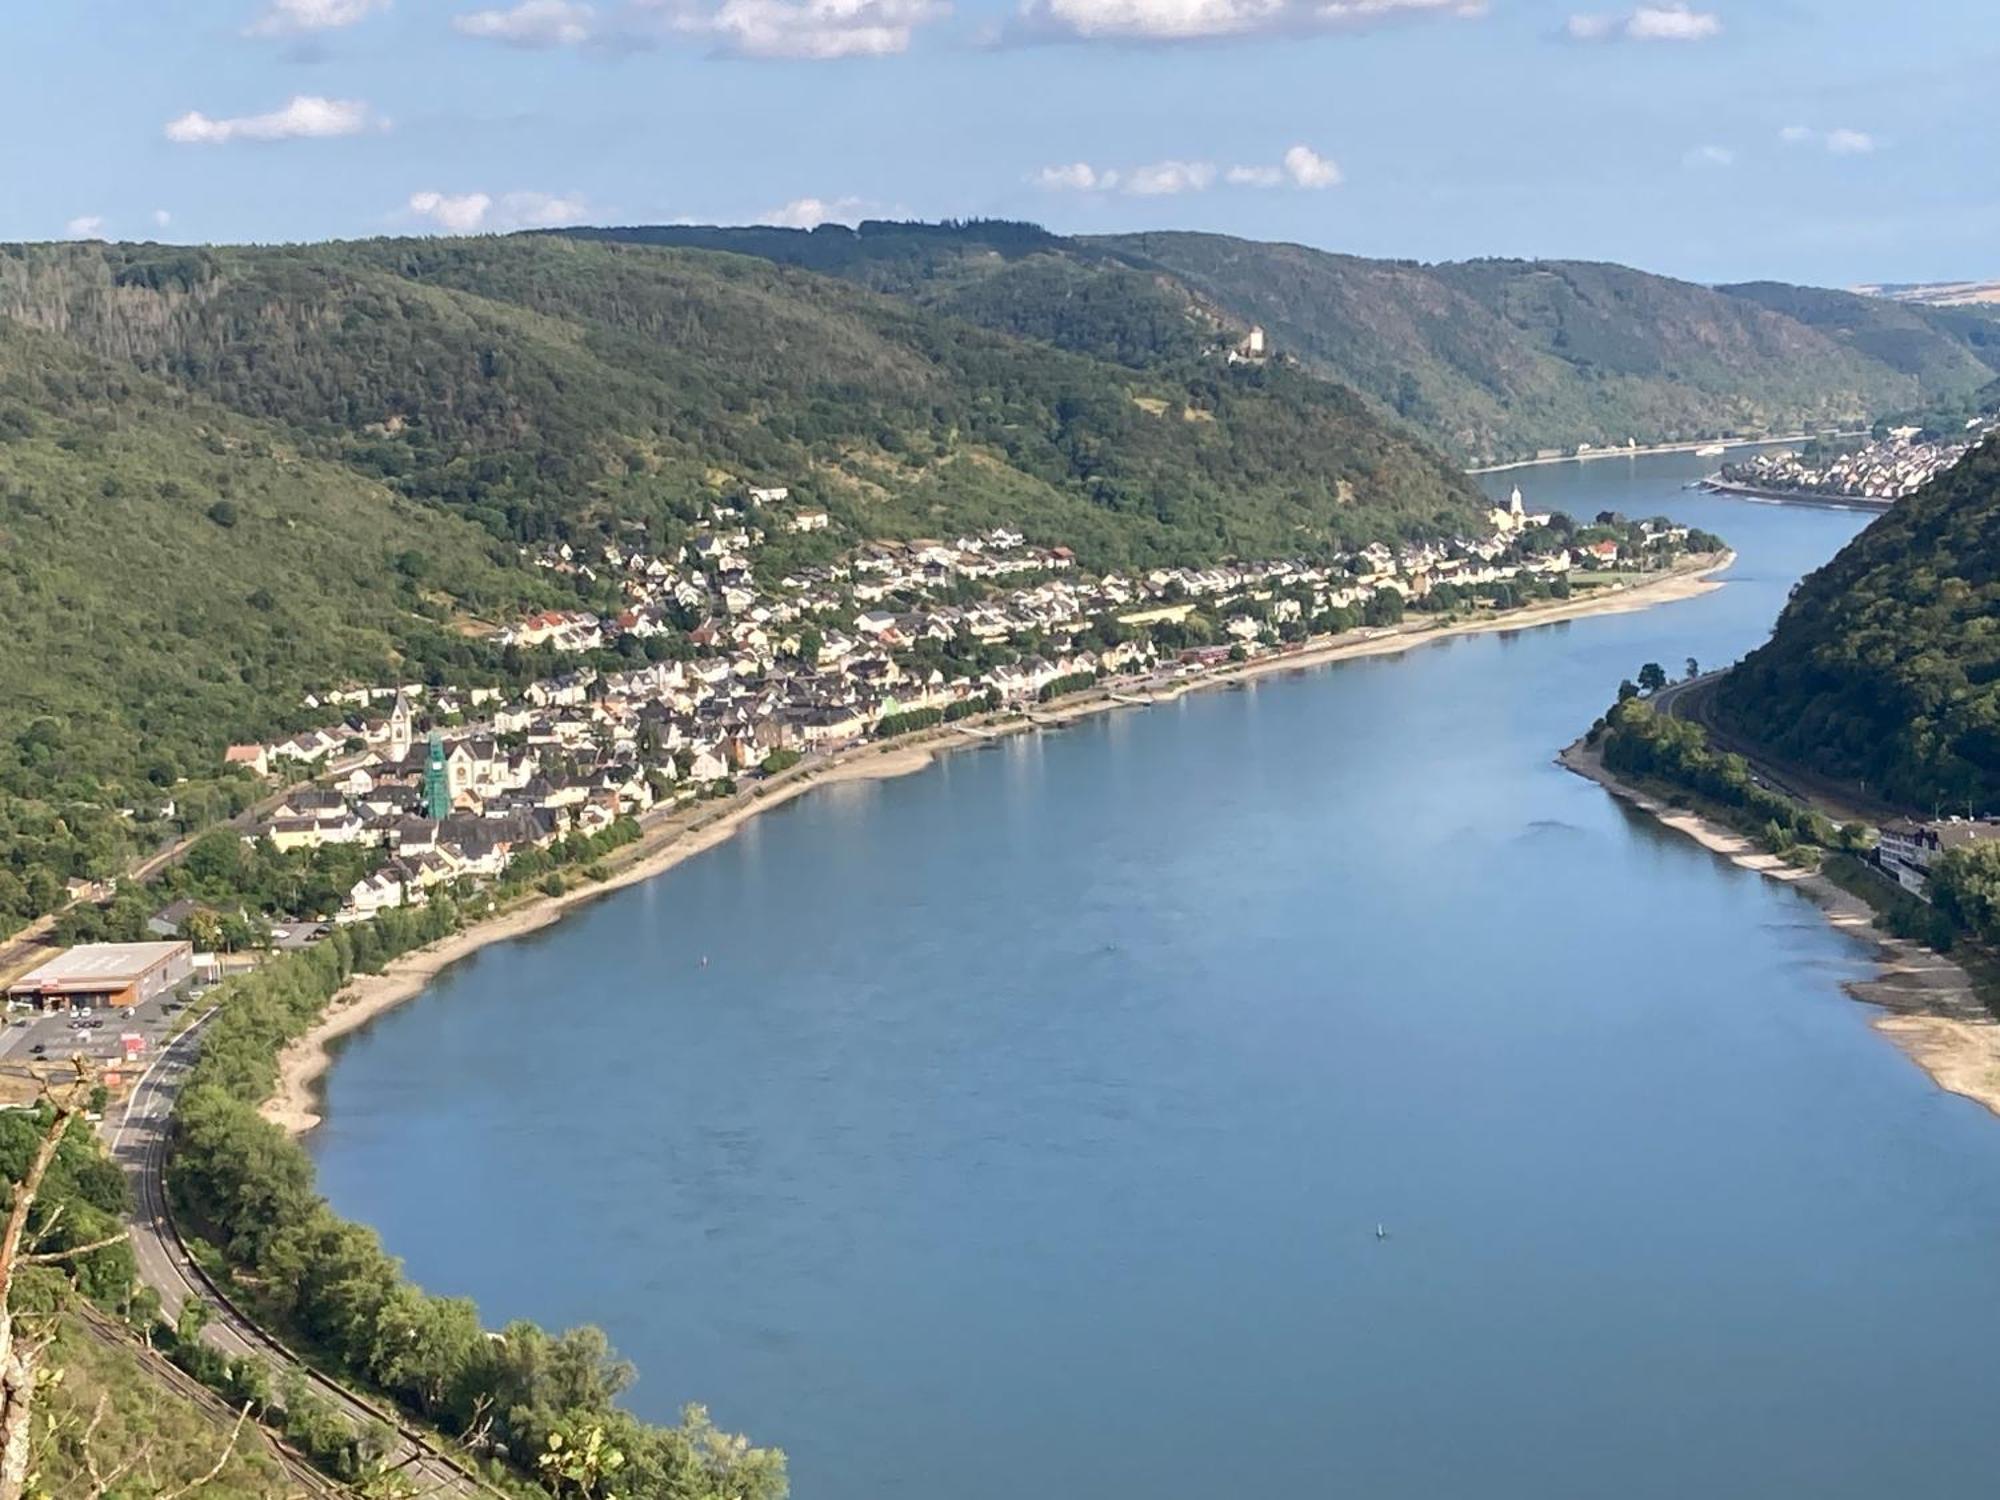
473,213
1258,177
307,117
532,24
814,30
1709,156
1649,23
1301,166
161,218
1074,177
1162,179
810,213
85,227
292,17
1837,142
1210,20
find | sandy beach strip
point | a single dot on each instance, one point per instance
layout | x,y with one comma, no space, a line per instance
1933,1010
681,835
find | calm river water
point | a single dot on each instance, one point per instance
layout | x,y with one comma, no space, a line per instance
1028,1130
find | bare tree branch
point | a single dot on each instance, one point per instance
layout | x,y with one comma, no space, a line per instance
221,1460
54,1257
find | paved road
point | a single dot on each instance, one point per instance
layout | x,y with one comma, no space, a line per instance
137,1137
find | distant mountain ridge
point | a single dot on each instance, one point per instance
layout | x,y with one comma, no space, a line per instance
1491,359
1937,293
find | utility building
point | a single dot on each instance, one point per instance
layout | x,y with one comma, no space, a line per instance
114,974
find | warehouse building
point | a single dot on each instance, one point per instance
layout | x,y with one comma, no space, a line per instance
105,974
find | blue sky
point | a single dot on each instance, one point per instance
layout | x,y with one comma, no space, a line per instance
1832,141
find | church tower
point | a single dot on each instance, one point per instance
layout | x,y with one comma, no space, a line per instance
1514,507
399,729
437,781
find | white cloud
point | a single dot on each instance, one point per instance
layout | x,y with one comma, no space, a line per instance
289,17
1162,179
1075,177
460,213
1195,20
540,210
1709,156
85,227
808,29
306,117
1301,166
818,30
1309,169
810,213
1840,142
532,23
161,218
1649,23
1672,23
472,213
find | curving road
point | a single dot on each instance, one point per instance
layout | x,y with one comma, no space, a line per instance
137,1139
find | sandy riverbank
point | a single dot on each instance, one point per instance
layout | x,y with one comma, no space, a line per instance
1933,1010
295,1105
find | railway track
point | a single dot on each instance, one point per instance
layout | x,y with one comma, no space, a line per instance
138,1143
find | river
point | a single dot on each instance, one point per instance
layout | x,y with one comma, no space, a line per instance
1028,1127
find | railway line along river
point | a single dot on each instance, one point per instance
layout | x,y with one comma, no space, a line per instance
1027,1127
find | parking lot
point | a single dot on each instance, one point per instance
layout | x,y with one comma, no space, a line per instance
98,1035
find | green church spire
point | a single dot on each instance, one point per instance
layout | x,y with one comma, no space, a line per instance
437,783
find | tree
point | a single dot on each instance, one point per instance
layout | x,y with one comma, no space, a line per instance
1384,607
20,1350
1627,690
1652,677
1693,669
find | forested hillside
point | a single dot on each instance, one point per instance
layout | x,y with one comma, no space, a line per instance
1489,359
1885,666
173,576
1497,358
538,385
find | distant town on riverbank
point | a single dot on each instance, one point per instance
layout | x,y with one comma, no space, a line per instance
1899,463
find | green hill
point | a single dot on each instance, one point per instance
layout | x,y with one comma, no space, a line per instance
1497,358
540,386
232,476
1885,666
1489,359
174,577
